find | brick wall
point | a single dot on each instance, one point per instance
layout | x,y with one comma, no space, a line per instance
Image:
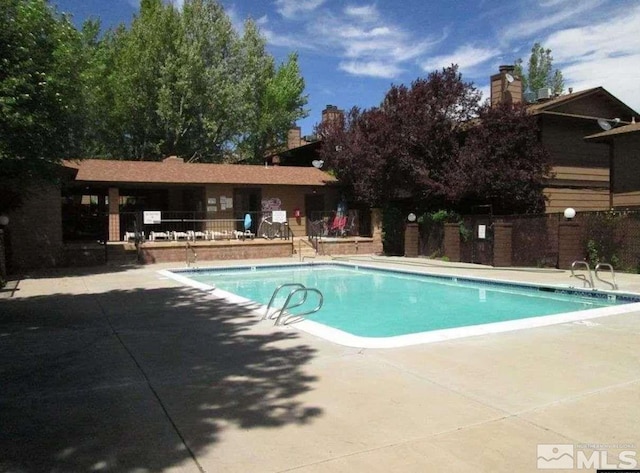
502,244
167,252
34,232
452,241
570,247
411,240
349,246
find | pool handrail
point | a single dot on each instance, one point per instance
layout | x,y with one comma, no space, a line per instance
582,277
613,284
275,293
281,321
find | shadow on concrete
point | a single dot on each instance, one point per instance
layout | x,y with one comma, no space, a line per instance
139,380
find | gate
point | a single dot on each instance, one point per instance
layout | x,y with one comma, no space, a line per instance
477,245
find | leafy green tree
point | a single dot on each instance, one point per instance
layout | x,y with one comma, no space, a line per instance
41,105
181,81
540,73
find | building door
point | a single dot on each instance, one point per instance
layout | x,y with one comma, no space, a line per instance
313,208
247,200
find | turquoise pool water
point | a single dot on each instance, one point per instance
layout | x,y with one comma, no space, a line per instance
370,302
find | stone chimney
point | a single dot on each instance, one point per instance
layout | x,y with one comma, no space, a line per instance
331,113
503,89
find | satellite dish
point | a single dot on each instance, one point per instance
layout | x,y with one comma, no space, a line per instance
509,78
604,124
317,163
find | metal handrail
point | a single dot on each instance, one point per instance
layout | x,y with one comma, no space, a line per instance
613,284
281,321
275,293
582,277
195,255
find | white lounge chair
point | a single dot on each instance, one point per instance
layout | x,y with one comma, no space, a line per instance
153,236
180,235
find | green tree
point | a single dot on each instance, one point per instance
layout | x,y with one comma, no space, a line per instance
182,81
540,73
41,105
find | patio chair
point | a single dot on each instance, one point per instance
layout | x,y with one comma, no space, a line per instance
194,235
153,236
179,236
338,224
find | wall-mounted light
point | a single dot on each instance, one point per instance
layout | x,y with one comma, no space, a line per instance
412,217
4,220
606,124
569,213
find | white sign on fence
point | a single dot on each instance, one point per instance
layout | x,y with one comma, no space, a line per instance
482,232
151,217
279,216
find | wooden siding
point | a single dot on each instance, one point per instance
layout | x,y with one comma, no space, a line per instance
563,139
596,104
574,176
627,200
626,174
580,199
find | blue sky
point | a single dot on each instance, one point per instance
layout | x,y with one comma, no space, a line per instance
351,52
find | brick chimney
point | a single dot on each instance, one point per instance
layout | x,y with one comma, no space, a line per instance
331,113
504,90
294,137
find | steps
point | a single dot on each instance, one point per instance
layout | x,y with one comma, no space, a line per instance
303,247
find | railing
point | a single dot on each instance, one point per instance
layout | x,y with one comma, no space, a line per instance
189,248
203,225
283,317
582,277
613,284
333,224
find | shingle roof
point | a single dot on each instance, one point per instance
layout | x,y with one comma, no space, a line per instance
608,135
174,171
547,104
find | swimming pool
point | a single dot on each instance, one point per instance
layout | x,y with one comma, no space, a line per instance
369,306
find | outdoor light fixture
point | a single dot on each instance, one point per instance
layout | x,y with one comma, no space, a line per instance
569,213
606,124
4,220
411,217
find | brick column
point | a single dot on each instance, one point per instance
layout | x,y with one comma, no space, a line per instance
411,240
502,244
376,230
570,247
114,214
452,241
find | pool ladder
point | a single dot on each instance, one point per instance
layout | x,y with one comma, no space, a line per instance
589,282
283,318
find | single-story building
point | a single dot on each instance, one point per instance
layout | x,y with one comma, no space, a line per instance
157,209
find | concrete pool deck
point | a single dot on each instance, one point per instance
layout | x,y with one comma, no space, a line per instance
124,370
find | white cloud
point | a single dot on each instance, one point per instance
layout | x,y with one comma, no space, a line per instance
365,41
370,69
291,8
466,57
367,13
602,54
533,21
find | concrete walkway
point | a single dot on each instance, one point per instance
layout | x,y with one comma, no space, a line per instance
123,370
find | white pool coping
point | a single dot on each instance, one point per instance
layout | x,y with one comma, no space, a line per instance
347,339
